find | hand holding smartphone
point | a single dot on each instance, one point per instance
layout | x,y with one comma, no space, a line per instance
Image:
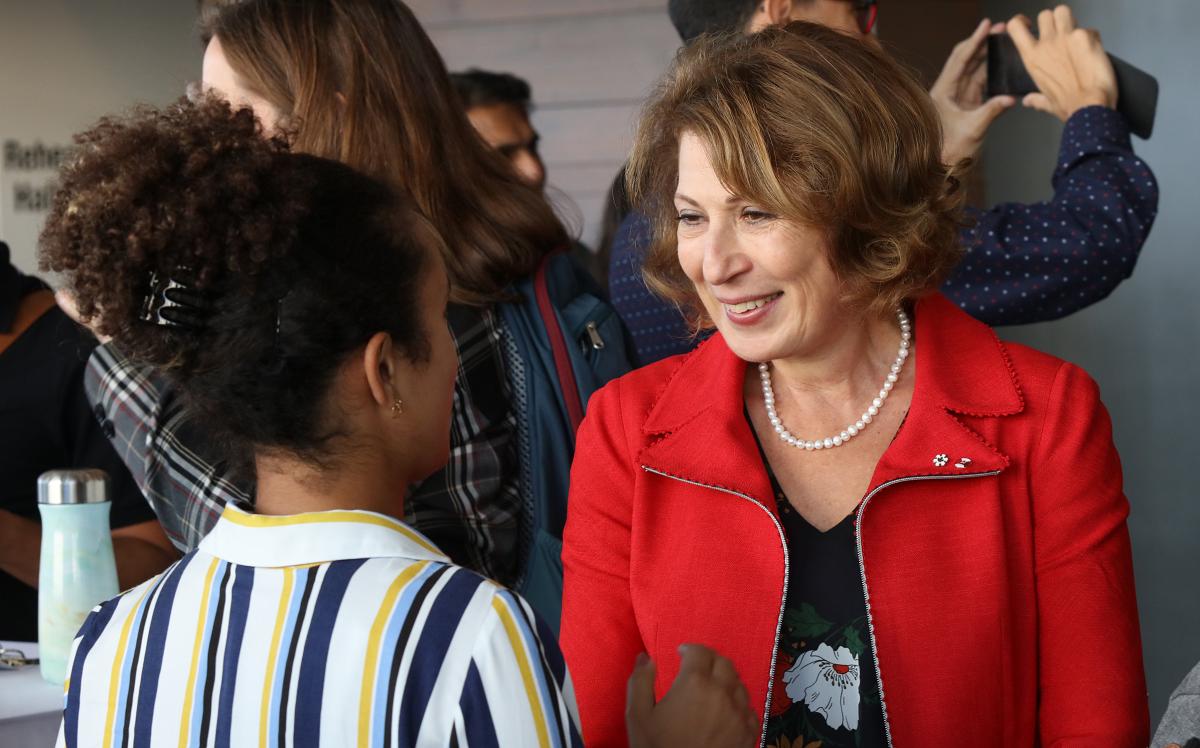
1137,97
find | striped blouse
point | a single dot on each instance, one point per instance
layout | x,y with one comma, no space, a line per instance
340,628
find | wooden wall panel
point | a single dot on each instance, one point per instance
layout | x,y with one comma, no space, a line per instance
585,180
586,134
434,13
603,58
590,64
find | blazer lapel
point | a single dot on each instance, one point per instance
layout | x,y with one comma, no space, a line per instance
698,429
699,433
962,369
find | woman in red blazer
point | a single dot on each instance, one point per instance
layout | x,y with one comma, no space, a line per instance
900,530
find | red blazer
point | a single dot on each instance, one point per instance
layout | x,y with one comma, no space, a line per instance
1000,593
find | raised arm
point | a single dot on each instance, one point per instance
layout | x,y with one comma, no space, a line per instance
172,457
1041,261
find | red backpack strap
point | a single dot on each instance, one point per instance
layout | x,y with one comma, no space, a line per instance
558,346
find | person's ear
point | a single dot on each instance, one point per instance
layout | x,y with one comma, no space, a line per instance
776,12
769,13
381,372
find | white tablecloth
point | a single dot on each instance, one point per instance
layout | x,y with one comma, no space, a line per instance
30,708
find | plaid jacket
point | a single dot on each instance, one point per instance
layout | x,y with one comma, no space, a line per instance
471,509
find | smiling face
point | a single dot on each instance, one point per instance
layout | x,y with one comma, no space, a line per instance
765,281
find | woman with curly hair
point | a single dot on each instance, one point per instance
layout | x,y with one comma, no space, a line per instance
300,309
899,529
359,81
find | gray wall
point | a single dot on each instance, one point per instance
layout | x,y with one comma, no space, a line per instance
64,63
1141,344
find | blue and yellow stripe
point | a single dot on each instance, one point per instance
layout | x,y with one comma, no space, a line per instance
252,648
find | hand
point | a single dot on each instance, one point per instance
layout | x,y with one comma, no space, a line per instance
1068,64
707,705
66,302
958,95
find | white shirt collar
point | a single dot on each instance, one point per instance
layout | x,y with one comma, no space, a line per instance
314,537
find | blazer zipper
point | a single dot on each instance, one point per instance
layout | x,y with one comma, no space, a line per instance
862,571
783,598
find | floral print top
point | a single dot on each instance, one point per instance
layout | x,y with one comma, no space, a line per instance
825,693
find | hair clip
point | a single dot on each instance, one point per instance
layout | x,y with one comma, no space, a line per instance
174,304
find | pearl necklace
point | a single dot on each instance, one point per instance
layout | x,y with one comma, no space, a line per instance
855,428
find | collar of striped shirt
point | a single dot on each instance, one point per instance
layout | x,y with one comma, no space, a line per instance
314,537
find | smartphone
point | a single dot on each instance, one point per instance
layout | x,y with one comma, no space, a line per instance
1137,90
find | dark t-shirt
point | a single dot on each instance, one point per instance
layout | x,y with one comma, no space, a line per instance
46,423
825,690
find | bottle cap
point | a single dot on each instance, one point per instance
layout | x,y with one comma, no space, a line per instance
73,487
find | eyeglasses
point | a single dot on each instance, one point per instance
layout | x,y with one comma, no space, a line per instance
866,12
11,659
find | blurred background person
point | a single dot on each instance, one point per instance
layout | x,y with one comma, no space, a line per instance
616,209
1025,262
46,423
1180,725
404,126
498,104
301,308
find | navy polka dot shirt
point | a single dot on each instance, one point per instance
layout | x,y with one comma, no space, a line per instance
1024,263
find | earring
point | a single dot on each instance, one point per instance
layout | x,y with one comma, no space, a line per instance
397,408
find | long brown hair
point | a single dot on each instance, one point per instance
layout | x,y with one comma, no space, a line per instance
359,81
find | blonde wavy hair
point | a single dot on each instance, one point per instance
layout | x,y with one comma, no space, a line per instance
819,128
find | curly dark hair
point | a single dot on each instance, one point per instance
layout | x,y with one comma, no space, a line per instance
296,260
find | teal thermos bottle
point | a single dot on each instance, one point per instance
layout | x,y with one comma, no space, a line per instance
78,570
